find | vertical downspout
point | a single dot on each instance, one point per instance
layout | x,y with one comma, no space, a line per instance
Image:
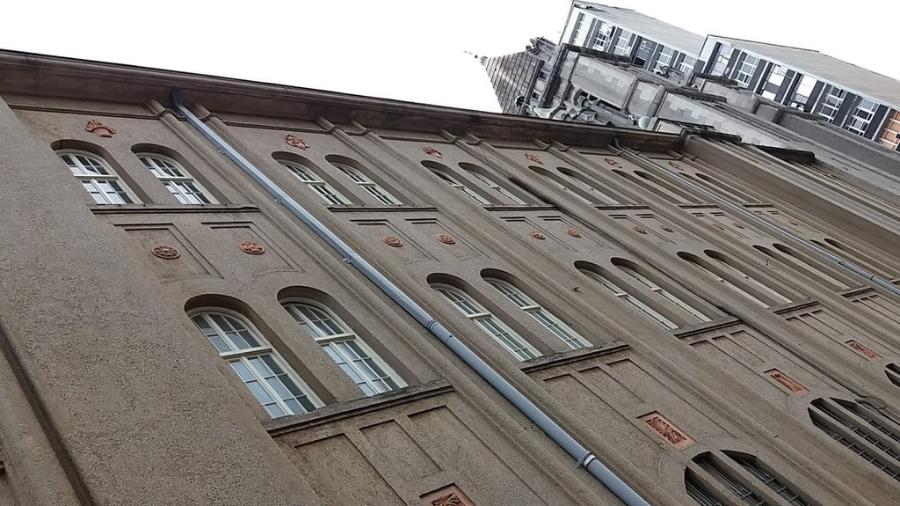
563,439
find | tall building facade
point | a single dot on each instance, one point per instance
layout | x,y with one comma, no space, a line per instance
860,101
220,292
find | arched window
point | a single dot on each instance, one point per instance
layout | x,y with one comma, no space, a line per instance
714,472
280,391
862,430
610,286
176,179
588,186
670,299
479,174
371,187
549,320
442,172
736,280
563,185
372,375
489,323
893,373
97,177
790,258
308,176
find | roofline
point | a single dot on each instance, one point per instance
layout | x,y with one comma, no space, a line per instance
23,73
655,39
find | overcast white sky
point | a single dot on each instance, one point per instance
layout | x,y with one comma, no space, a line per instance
403,49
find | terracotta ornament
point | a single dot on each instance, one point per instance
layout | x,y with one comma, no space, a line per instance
534,158
432,152
573,232
392,241
95,127
537,235
863,350
668,431
165,252
450,499
294,141
640,230
446,239
787,382
252,248
610,161
668,229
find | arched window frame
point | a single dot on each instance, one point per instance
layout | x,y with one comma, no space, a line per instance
176,179
761,288
670,299
543,316
589,186
371,374
97,177
491,324
489,182
309,176
712,474
788,257
613,287
562,185
281,392
366,183
444,176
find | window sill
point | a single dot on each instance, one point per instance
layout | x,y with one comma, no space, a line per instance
379,209
349,409
567,357
527,207
165,208
700,328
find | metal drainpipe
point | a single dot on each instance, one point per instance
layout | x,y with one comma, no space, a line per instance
582,456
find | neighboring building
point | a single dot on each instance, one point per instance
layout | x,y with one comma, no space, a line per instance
218,291
860,101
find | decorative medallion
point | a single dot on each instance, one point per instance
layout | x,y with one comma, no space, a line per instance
252,248
611,162
534,158
537,235
294,141
573,232
450,499
95,127
738,224
639,229
432,152
674,164
393,241
863,350
667,430
668,229
446,239
165,252
787,382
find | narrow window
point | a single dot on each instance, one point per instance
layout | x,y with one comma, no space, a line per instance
631,300
507,196
176,179
549,320
315,183
790,258
715,275
734,485
272,382
671,299
723,468
893,373
759,471
489,323
760,287
586,185
348,351
562,185
97,177
472,194
373,188
860,430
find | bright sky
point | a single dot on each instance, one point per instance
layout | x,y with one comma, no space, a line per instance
405,49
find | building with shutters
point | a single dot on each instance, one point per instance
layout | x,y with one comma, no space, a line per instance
217,291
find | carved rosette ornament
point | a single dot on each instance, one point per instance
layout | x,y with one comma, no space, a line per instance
296,142
95,127
668,431
392,241
537,235
430,151
573,232
610,161
639,229
534,158
252,248
668,229
165,252
787,382
862,350
450,499
446,239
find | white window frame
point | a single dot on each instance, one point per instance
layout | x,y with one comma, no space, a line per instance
832,102
371,187
546,318
497,187
311,179
747,69
601,36
687,67
243,356
487,322
624,50
668,296
746,277
372,379
862,117
450,180
94,175
665,57
176,179
631,300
